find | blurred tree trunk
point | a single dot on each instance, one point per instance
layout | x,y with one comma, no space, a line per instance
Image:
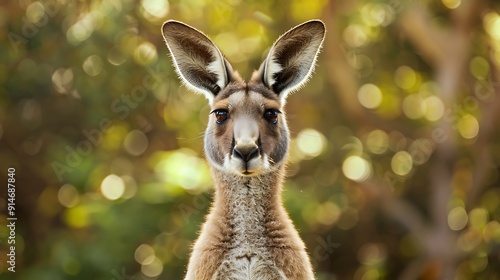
447,52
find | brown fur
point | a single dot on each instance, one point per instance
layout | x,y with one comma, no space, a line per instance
247,234
278,238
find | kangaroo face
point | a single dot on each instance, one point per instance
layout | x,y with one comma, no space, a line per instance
247,132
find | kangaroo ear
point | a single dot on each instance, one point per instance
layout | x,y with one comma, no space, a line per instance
199,63
292,57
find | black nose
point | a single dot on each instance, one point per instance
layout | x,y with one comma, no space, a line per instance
246,153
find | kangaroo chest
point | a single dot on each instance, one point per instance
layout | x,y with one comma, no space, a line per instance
250,214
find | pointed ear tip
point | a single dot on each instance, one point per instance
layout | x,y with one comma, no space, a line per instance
165,25
171,23
316,27
316,21
319,24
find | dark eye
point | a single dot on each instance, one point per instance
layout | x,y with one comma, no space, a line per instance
271,115
221,115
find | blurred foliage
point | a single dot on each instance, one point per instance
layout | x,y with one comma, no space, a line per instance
107,146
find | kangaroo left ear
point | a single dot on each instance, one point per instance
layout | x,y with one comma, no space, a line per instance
292,57
198,61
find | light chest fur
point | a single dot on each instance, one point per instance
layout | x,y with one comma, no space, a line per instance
251,233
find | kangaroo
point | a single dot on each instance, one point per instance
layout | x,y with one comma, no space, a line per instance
247,233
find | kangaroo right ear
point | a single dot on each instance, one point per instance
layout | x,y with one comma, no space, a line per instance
292,57
198,61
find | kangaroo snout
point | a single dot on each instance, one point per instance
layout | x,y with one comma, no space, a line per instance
246,153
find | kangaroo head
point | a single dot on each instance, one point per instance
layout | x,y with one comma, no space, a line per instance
247,132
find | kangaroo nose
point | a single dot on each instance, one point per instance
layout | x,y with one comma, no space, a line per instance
246,153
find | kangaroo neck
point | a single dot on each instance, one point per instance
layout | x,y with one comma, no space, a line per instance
248,203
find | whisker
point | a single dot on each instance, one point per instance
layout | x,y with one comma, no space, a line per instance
293,132
184,140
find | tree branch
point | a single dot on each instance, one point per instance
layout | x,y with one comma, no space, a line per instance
414,22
